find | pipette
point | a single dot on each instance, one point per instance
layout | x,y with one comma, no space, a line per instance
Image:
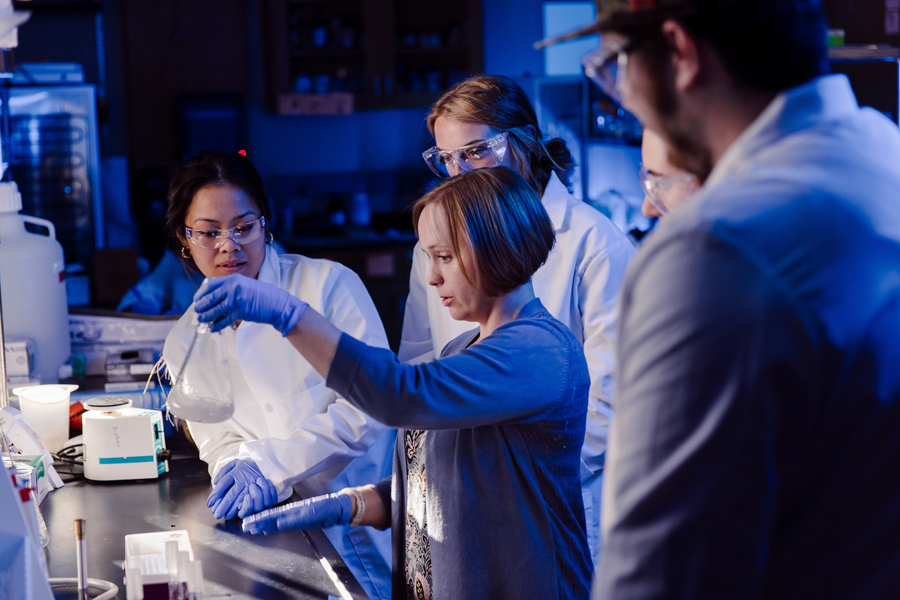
80,560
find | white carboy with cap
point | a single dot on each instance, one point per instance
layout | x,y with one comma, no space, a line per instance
33,284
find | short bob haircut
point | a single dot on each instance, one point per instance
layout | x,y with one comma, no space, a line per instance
500,217
216,169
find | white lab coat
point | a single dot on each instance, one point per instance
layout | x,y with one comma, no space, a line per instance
301,434
578,285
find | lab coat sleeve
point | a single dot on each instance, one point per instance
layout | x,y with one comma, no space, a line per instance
152,294
519,371
416,345
692,479
168,289
598,289
342,431
218,443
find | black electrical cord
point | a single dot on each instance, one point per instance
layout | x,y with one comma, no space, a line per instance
71,456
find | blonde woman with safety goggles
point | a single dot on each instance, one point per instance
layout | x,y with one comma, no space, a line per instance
488,121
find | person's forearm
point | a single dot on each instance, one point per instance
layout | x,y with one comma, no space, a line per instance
376,514
316,339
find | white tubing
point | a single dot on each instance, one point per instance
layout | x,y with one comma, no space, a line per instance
111,589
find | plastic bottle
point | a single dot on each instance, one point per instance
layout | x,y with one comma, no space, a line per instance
44,533
360,211
33,285
30,514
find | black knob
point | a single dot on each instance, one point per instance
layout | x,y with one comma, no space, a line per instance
163,455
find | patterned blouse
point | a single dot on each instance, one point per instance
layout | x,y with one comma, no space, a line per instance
418,554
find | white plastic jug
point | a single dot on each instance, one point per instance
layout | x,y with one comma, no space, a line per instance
45,409
33,285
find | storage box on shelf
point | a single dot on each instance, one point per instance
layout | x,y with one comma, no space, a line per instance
334,103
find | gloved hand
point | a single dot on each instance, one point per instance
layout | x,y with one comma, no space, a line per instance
223,300
239,488
321,511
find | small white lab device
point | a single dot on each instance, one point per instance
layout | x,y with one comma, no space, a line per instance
162,565
122,442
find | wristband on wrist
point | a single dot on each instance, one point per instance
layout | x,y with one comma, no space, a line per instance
360,509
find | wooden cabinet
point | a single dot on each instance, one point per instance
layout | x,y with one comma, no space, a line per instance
383,53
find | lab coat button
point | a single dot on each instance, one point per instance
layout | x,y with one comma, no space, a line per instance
268,408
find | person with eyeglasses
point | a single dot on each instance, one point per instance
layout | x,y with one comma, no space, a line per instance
485,498
665,185
488,121
289,432
756,444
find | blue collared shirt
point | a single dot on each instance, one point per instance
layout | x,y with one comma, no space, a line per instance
756,446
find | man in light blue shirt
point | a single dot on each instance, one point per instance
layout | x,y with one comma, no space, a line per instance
755,449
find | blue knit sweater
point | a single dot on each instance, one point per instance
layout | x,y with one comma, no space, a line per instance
506,421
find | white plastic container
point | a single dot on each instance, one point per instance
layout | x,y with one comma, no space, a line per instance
45,409
33,285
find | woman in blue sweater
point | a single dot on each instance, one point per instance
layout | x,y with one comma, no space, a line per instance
485,487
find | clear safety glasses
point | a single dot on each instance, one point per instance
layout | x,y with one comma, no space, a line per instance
606,67
480,155
214,238
661,190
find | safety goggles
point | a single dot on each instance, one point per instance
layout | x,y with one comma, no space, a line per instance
214,238
606,67
659,188
480,155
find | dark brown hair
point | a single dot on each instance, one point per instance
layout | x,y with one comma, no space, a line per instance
212,169
795,50
500,216
502,105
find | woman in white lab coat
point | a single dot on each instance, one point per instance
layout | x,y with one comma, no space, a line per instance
488,121
288,432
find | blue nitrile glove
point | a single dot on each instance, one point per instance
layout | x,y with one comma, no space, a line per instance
240,488
321,511
260,495
223,300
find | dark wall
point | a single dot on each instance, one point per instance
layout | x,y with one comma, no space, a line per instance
62,35
865,21
172,47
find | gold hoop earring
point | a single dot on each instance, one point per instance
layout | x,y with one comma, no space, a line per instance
270,238
185,253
